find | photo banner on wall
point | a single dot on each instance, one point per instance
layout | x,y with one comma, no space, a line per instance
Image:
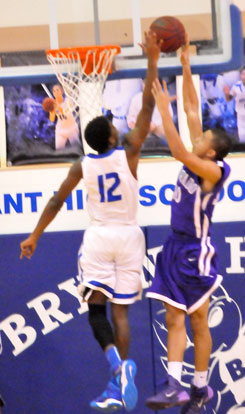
40,128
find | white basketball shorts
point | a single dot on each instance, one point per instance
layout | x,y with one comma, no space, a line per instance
110,260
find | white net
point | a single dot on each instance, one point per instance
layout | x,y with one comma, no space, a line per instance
83,81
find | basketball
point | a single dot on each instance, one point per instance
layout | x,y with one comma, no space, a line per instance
171,31
48,104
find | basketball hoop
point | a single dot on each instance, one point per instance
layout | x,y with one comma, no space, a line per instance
82,72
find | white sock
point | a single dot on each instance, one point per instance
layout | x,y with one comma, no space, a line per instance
200,379
175,369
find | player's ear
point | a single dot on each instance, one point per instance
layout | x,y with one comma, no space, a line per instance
211,153
112,141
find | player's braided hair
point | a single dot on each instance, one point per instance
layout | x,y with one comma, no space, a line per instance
97,134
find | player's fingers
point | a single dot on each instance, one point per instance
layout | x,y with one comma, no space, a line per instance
153,35
26,251
173,98
142,47
187,40
28,256
157,88
146,34
156,85
160,43
150,33
164,84
154,88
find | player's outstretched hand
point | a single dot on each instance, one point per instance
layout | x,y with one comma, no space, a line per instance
161,96
28,247
184,57
151,47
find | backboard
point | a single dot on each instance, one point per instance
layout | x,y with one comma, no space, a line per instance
214,27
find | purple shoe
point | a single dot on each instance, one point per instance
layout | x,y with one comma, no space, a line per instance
198,398
172,394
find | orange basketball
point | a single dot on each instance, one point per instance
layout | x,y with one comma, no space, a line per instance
171,31
48,104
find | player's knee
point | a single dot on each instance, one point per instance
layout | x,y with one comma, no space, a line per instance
100,325
199,323
175,317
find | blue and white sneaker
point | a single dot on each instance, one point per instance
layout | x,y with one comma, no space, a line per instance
109,401
128,387
173,394
198,398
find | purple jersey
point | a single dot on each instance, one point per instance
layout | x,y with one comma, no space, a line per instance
192,208
186,268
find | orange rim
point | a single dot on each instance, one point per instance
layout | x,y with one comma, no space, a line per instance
91,59
82,50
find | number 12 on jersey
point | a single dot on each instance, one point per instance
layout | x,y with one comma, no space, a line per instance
107,194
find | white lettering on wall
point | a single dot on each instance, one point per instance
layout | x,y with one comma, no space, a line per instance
236,253
15,328
53,310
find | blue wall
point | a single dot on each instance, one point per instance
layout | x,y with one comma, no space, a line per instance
64,368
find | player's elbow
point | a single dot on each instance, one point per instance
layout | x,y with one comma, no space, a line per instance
55,204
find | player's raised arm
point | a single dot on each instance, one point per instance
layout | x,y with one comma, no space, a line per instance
152,51
205,168
190,98
136,137
28,246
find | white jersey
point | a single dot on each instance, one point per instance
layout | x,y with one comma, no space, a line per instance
66,120
238,91
112,189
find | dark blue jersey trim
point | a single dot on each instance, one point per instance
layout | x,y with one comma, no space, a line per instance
125,295
98,284
104,155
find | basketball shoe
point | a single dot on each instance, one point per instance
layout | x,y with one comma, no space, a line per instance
172,394
110,400
198,398
128,387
